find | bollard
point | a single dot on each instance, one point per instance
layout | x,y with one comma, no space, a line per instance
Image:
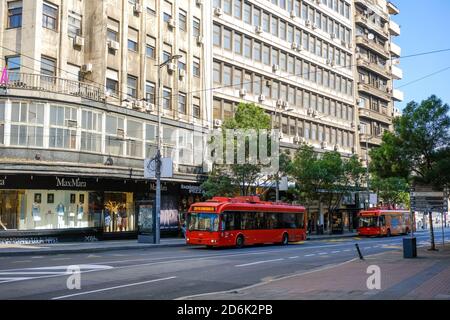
359,252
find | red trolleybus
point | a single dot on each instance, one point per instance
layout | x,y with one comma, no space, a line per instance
378,222
244,221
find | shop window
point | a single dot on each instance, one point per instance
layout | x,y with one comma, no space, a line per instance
134,139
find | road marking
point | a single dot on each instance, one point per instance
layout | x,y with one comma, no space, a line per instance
61,258
346,250
13,275
112,288
336,251
21,261
310,255
293,257
322,253
257,262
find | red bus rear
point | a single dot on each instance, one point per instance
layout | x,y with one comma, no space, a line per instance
377,222
240,221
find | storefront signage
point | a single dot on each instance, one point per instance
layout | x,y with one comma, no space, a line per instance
153,187
192,189
70,183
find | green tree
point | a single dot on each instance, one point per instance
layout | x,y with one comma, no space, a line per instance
391,191
419,147
242,178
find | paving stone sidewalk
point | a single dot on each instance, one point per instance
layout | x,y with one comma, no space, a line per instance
425,277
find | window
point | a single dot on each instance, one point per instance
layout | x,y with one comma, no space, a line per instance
196,27
217,72
182,103
115,134
74,24
150,139
132,86
150,49
227,75
150,92
248,48
49,16
217,35
27,124
48,68
238,43
182,61
182,20
257,51
14,14
247,13
91,131
167,99
63,127
133,36
151,7
13,65
227,39
227,7
238,9
134,139
196,67
112,82
196,111
2,122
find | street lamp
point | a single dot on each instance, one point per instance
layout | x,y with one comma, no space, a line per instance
277,177
157,158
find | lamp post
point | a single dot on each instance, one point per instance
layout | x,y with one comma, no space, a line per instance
277,177
158,151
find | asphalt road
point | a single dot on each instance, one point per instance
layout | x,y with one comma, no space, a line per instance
170,273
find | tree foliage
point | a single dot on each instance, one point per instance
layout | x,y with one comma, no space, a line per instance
238,178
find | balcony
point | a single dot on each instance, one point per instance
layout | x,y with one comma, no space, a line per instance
394,28
371,140
366,22
373,5
28,81
381,93
392,9
397,73
371,45
374,67
374,115
395,50
398,95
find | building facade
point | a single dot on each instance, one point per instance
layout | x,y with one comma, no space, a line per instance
376,69
79,110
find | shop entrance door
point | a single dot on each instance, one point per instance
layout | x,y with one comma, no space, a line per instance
9,210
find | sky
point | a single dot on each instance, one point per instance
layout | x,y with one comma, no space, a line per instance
425,26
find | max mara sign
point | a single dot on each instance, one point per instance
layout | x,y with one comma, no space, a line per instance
70,183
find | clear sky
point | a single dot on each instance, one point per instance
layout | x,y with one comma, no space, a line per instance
425,26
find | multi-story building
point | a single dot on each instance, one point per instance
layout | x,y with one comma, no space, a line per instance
79,110
376,59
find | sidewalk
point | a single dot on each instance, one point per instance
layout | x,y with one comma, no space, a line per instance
426,277
83,247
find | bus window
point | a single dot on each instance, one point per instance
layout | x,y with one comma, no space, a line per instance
368,222
260,221
232,221
300,220
271,220
288,220
382,221
248,220
203,222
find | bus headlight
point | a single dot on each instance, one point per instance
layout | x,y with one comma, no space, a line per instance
213,241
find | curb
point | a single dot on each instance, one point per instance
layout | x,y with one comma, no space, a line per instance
86,250
332,237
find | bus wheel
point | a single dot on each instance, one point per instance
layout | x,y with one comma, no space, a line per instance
285,239
388,234
239,241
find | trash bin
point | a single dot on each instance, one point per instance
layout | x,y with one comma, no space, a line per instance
409,248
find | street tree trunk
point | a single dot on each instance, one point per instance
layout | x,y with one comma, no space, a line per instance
433,246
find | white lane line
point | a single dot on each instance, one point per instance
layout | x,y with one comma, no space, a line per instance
293,257
346,250
112,288
310,255
322,253
32,272
257,262
336,251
